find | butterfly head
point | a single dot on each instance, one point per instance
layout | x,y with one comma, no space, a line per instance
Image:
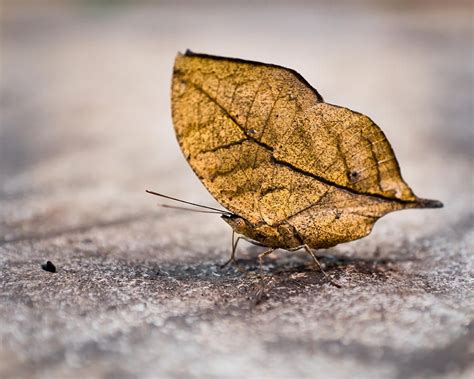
238,224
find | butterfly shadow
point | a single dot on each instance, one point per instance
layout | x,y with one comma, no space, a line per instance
283,262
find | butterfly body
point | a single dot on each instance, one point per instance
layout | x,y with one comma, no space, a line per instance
279,237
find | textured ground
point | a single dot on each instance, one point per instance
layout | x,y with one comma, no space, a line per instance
86,127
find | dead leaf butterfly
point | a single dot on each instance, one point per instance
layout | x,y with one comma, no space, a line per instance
292,171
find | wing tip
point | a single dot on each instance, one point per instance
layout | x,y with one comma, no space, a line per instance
428,203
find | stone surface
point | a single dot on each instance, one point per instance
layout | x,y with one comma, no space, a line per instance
86,127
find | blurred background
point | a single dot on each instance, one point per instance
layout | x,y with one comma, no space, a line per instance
86,128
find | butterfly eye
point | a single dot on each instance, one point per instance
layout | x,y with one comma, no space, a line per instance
240,222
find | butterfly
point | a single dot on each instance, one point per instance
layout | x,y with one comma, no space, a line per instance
293,171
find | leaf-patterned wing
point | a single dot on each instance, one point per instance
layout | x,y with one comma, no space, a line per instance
269,149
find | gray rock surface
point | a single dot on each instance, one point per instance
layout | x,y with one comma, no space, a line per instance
86,127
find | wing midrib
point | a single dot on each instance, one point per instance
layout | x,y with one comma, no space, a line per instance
287,164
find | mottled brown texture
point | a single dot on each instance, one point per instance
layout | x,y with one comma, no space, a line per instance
294,169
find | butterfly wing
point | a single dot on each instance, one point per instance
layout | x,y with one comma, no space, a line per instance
269,149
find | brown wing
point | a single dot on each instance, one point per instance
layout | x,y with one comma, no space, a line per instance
269,149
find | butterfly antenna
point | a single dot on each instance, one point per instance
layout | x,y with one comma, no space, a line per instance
214,210
189,209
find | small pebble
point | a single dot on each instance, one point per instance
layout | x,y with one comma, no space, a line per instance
48,266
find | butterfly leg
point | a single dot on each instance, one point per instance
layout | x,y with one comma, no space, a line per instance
260,292
261,256
234,248
232,255
315,260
